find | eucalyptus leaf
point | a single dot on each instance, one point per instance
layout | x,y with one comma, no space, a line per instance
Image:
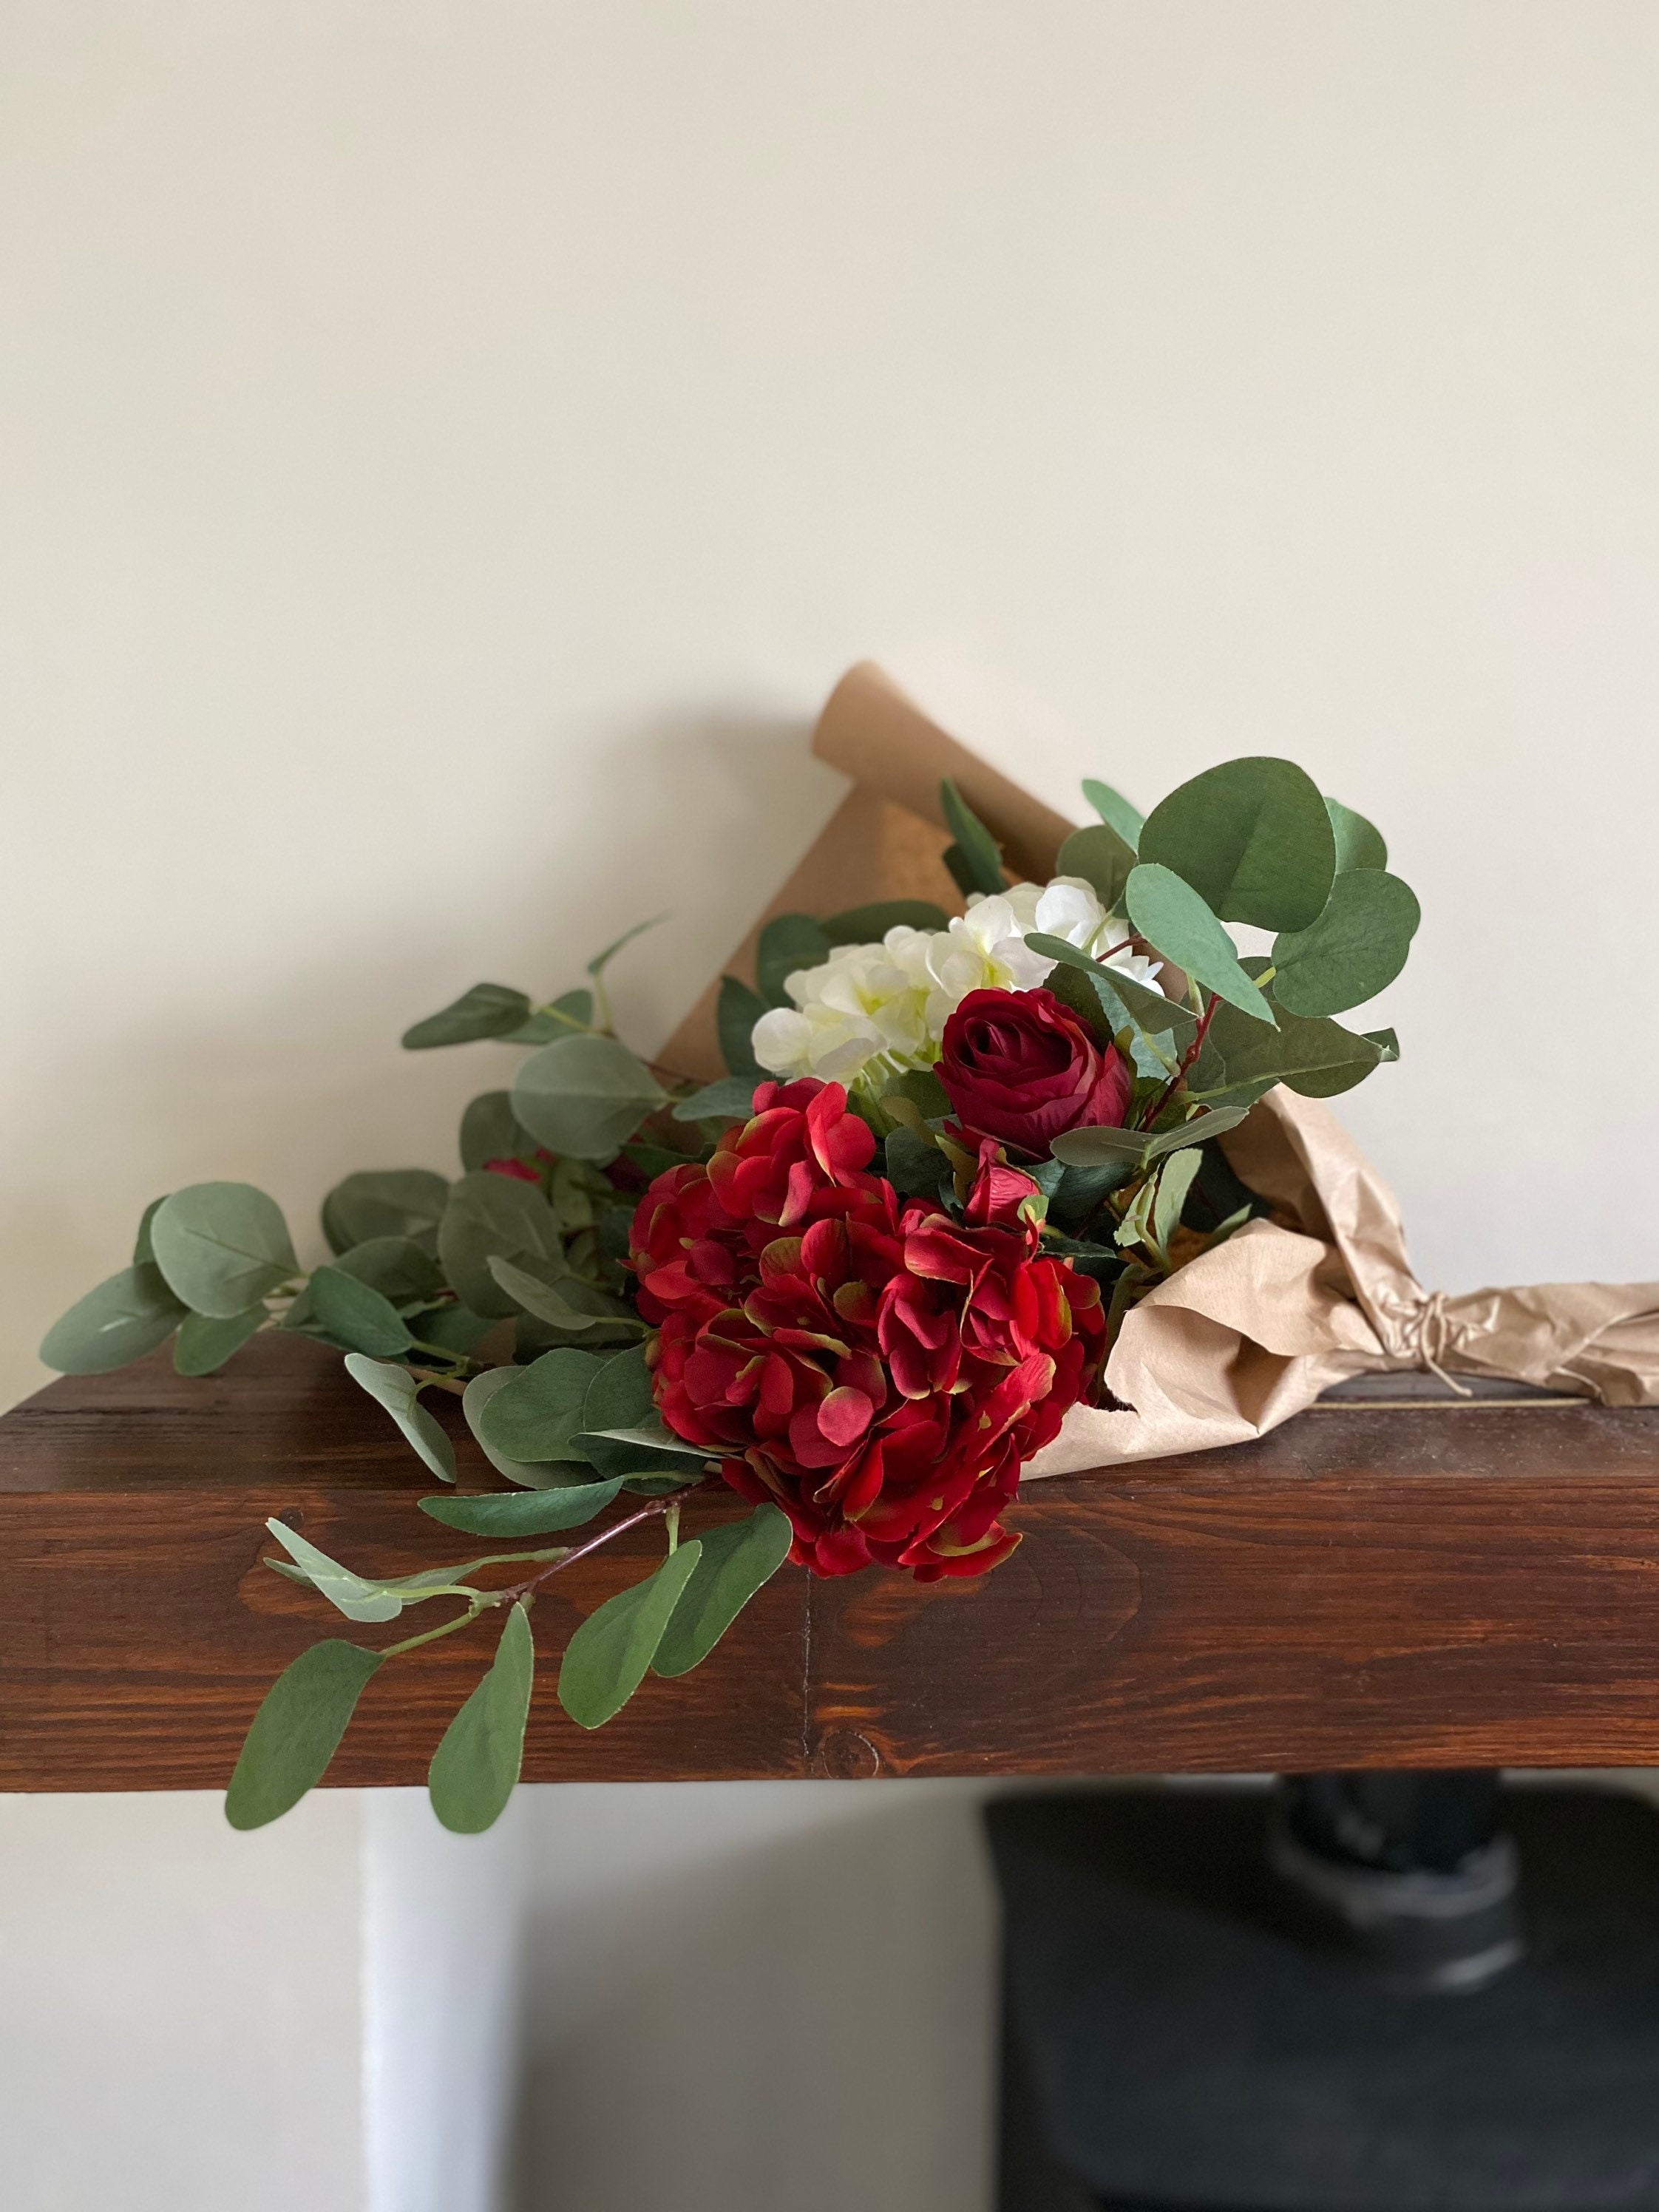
1136,1003
1318,1059
619,1393
123,1319
397,1390
531,1416
397,1266
915,1168
144,1253
1356,947
585,1096
737,1558
592,1319
1253,838
547,1302
222,1246
1173,917
922,1087
730,1099
491,1217
454,1328
1387,1043
868,925
1174,1179
1087,1148
491,1131
204,1344
475,1767
1115,810
385,1202
353,1314
620,1396
736,1012
788,942
528,1474
297,1730
1359,845
350,1593
1102,858
606,1661
571,1011
975,842
601,961
523,1512
488,1009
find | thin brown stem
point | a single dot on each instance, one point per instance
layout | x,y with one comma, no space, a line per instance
1151,1116
528,1587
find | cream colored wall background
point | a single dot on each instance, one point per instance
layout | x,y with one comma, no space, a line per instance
449,452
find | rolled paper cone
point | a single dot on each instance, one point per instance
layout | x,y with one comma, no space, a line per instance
876,734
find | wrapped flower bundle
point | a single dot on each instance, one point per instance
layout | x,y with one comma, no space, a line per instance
855,1284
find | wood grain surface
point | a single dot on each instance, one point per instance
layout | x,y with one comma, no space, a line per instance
1466,1586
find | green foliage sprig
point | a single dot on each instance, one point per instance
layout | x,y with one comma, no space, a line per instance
506,1287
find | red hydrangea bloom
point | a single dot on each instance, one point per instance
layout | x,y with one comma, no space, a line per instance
878,1370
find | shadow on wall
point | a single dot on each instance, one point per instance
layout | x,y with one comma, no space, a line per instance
292,1077
758,1997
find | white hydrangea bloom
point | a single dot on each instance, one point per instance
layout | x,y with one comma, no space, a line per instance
871,1011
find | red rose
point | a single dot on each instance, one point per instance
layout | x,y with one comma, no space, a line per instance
875,1367
1021,1067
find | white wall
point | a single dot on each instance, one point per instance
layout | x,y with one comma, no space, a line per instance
449,450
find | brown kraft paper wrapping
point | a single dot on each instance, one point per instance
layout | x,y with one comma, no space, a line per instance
1246,1334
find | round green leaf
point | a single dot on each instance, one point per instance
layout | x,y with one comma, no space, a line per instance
475,1767
1101,857
205,1343
585,1096
353,1314
1115,810
1253,837
606,1661
397,1266
1356,947
736,1012
490,1131
497,1217
1359,845
397,1390
297,1730
385,1202
222,1246
531,1414
1173,917
789,941
120,1321
488,1009
737,1558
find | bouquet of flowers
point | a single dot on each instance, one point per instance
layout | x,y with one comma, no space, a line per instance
854,1285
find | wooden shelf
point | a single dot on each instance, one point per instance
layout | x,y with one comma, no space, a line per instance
1467,1586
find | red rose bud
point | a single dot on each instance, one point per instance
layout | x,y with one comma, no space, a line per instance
1021,1067
878,1370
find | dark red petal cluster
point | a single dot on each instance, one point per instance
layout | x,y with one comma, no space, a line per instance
876,1369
